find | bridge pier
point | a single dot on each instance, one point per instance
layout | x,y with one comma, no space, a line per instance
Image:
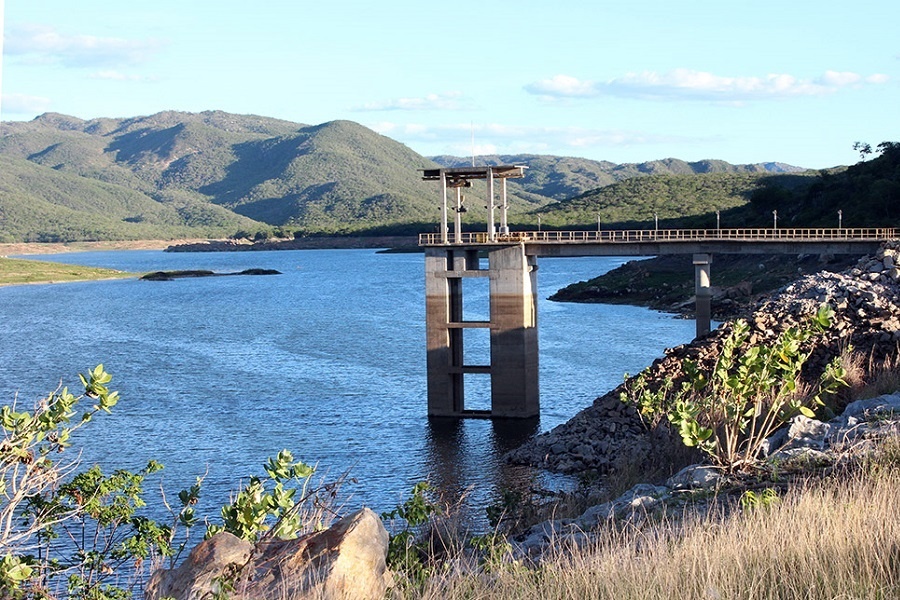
702,294
513,367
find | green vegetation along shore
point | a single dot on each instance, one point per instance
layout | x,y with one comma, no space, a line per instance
18,271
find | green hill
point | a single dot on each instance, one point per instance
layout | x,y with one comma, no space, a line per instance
561,177
670,197
177,174
244,171
867,194
41,204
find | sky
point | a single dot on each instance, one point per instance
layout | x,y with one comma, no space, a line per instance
793,81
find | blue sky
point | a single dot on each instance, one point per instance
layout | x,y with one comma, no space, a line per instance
796,81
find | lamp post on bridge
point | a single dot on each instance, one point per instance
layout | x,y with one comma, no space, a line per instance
656,224
539,223
598,222
774,219
718,223
840,218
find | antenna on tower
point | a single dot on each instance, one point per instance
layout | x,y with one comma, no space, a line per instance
473,143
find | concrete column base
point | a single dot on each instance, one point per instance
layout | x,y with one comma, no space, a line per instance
703,311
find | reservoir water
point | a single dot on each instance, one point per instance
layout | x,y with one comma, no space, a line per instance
326,360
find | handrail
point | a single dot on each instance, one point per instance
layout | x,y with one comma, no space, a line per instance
630,236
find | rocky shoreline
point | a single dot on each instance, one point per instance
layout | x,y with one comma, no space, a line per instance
609,433
666,283
349,559
804,443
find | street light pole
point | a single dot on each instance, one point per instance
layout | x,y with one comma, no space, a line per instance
718,223
539,223
774,219
840,218
656,223
598,222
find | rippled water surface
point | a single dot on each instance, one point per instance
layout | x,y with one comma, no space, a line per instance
327,360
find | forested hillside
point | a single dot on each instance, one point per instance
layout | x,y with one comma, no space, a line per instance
562,177
866,194
246,171
215,174
668,197
41,204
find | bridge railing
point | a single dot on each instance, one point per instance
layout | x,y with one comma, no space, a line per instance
630,236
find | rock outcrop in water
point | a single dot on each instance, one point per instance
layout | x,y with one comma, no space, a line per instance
866,302
172,275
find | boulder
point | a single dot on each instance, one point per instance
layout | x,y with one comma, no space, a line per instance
346,561
695,477
804,432
889,403
194,578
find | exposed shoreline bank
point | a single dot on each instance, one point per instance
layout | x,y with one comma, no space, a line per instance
39,248
212,245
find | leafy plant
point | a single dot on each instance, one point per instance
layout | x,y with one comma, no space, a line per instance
257,510
405,553
80,535
650,402
59,530
494,549
751,391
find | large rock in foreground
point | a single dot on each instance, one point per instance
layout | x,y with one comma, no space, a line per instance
346,561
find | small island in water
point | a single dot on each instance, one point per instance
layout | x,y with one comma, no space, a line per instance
173,275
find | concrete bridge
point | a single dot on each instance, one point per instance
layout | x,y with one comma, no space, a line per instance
512,265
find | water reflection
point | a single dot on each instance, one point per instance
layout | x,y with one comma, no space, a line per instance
465,453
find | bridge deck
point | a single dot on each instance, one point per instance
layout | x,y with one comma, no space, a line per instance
639,242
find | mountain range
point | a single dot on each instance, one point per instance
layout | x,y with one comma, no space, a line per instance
214,174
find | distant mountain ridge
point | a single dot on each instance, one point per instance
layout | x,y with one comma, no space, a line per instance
211,174
562,177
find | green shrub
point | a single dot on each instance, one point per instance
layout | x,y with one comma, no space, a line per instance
256,510
751,391
79,535
406,553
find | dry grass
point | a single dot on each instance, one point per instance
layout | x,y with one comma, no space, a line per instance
883,377
833,539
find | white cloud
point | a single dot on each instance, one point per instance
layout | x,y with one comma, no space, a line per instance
562,85
20,104
446,101
839,79
41,44
686,84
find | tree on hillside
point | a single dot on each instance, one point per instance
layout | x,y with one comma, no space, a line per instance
865,149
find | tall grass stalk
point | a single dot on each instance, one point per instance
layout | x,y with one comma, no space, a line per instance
830,540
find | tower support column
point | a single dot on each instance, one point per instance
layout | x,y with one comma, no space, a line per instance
702,293
514,334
